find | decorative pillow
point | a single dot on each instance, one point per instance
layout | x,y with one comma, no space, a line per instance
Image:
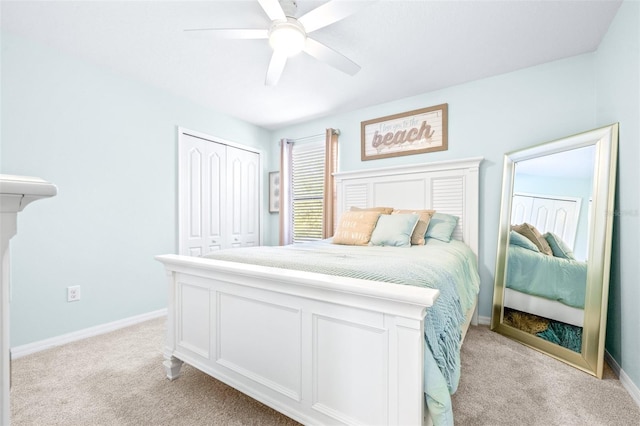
394,230
441,226
382,210
522,241
355,228
558,247
417,238
534,235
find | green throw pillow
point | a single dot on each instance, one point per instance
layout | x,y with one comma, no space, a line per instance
520,240
559,247
441,226
394,230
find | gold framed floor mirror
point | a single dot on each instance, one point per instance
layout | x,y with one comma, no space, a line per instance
554,247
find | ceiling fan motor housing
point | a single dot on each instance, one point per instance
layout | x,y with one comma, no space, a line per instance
287,36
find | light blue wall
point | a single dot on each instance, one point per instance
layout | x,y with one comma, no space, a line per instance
486,118
618,99
109,144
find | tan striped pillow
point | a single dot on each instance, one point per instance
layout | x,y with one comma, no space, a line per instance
534,235
355,227
382,210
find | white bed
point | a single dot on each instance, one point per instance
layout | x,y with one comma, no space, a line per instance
543,307
548,213
544,285
276,334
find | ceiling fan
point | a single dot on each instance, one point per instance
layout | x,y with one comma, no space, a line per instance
288,35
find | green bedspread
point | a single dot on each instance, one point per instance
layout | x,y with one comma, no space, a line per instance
449,267
550,277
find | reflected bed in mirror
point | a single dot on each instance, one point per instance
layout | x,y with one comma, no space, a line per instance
554,248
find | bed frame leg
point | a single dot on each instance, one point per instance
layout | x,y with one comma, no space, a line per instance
172,366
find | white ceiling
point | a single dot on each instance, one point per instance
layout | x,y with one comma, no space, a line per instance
404,48
575,163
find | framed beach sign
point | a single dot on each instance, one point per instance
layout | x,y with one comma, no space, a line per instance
412,132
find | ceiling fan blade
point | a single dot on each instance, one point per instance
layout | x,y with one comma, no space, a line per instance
227,33
273,10
276,66
330,56
329,13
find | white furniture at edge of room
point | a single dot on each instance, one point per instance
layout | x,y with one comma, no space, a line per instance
15,192
333,350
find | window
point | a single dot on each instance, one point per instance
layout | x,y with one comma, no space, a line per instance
307,189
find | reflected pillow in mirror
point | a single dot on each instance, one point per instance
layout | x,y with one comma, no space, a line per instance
355,228
394,230
534,235
522,241
559,247
441,226
417,238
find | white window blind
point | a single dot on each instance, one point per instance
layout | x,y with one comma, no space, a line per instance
307,188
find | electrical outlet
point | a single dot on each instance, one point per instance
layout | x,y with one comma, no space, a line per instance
73,293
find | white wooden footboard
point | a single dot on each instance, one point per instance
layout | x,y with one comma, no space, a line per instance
320,349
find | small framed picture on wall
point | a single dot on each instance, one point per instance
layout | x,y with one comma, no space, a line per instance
274,192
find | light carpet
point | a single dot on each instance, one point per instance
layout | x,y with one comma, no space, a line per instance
118,379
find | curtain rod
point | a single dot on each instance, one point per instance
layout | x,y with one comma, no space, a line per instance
304,138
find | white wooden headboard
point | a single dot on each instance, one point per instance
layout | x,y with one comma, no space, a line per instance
446,186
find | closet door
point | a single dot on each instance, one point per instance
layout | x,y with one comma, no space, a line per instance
202,186
558,215
243,197
521,208
219,195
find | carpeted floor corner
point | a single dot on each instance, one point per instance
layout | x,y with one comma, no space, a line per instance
118,379
506,383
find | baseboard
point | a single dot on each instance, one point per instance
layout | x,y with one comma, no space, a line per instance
30,348
484,320
624,379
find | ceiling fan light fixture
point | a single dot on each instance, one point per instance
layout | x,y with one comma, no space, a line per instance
287,37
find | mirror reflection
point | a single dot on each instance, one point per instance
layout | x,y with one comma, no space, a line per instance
554,248
547,256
